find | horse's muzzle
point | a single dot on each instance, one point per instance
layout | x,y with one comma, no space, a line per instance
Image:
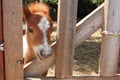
46,53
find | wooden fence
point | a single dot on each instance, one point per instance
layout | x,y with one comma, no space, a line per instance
69,36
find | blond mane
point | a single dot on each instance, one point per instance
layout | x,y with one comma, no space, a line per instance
39,7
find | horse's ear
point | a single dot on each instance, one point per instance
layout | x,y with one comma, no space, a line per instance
26,13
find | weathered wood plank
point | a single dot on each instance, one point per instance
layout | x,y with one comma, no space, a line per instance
110,43
66,20
87,26
109,54
1,40
12,27
79,78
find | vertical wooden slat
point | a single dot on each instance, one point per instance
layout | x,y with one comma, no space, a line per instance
67,21
12,27
109,55
1,40
110,43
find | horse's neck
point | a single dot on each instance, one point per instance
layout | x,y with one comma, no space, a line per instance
28,53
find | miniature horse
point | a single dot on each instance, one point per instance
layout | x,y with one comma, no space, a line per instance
37,52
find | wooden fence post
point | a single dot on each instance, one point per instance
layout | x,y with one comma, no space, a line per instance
110,41
12,28
1,40
65,49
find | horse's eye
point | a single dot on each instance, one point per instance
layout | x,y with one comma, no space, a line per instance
30,30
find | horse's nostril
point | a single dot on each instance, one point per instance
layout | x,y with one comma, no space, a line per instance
41,52
46,54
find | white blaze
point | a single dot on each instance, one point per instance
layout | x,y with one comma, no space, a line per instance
44,25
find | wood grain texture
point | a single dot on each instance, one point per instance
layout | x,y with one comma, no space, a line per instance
109,55
65,50
110,44
12,27
1,40
112,18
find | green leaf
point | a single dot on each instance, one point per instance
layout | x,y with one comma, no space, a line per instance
45,0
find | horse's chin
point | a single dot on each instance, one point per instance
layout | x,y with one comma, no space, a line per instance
39,57
42,58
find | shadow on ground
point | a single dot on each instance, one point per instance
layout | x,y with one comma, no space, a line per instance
86,59
87,56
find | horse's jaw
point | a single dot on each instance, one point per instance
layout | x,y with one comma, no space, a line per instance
28,53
